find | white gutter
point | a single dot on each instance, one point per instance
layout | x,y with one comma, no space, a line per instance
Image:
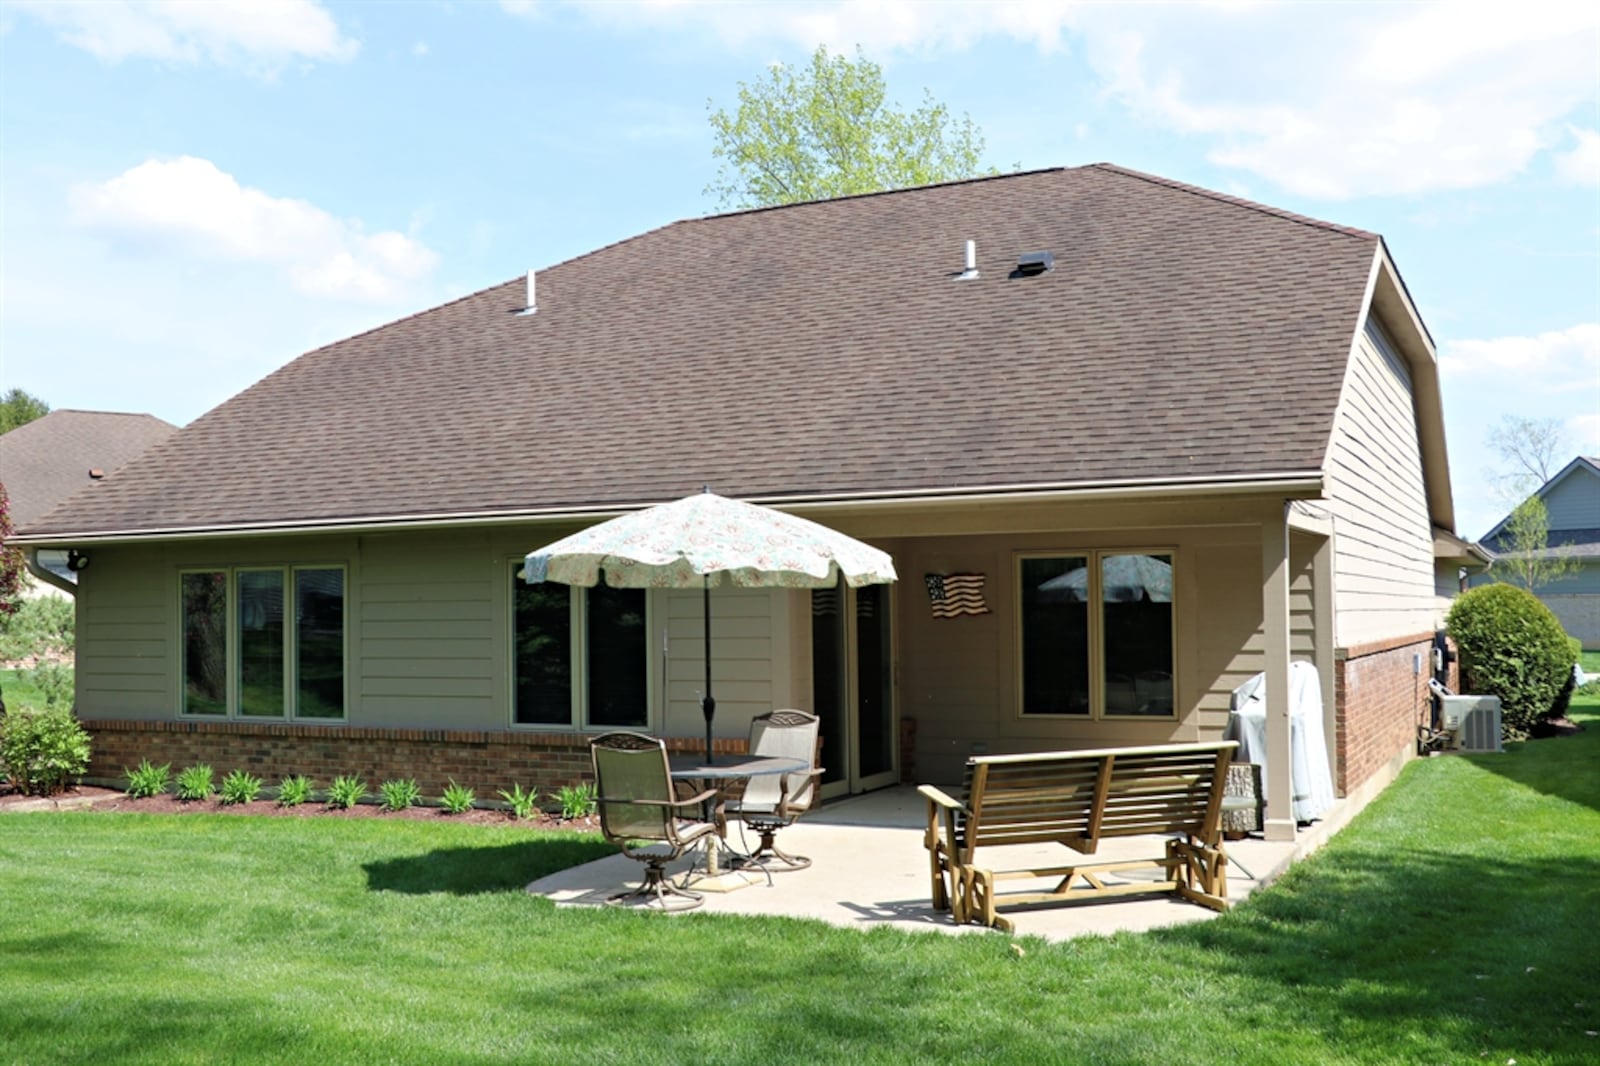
1288,483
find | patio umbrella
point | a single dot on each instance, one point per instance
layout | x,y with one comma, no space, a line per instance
703,540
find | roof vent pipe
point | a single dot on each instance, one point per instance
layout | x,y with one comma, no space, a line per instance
533,302
971,270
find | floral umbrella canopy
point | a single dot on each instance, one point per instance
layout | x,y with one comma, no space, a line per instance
702,540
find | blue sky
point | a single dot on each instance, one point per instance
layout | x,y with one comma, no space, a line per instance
192,194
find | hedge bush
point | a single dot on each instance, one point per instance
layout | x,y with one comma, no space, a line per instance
1511,647
43,752
1564,697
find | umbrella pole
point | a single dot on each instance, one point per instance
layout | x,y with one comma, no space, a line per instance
708,705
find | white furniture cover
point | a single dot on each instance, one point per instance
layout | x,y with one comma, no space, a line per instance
1311,781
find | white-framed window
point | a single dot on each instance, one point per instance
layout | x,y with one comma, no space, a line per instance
263,642
579,657
1096,634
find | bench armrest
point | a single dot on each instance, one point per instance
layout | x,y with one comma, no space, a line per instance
936,796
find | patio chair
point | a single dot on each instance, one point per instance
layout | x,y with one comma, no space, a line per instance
641,814
771,802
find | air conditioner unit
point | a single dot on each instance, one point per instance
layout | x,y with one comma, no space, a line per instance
1473,722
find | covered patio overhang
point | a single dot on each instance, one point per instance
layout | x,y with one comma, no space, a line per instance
1253,591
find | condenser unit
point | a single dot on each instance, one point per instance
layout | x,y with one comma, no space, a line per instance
1473,722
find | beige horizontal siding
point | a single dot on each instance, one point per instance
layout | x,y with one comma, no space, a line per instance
1383,547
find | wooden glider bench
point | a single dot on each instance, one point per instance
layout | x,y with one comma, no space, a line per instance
1076,799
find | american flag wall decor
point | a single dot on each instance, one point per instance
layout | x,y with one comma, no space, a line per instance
952,595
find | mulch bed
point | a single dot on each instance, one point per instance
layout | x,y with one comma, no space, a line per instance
111,800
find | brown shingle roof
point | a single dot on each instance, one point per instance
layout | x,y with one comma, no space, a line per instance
46,461
818,349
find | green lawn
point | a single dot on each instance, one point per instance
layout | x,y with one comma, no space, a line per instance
1456,921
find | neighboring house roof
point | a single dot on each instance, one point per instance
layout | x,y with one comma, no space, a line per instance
45,461
1579,542
814,351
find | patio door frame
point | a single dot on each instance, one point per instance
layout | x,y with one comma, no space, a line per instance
853,779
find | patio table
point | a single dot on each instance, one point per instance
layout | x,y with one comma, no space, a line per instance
722,774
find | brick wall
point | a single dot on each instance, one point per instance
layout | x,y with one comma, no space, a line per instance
482,761
1381,700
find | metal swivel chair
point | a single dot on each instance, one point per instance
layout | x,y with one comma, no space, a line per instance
640,814
772,802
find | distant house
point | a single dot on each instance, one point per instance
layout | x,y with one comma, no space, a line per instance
45,461
1572,500
1199,439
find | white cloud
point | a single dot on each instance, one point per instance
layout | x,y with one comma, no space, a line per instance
878,26
1356,100
190,206
1560,361
1585,430
1581,165
261,37
1330,101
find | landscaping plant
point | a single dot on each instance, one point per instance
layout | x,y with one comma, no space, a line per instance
43,751
54,682
41,627
346,791
240,787
1512,647
147,780
457,799
195,783
399,794
293,791
577,801
520,802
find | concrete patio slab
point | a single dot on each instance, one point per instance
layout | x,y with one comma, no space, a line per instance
869,868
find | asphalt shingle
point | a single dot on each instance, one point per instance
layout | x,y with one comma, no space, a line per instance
818,349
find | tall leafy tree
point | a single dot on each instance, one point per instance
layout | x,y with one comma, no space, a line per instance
825,130
1526,557
12,579
1531,451
18,408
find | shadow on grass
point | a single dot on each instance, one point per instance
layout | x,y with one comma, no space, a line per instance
1481,951
476,870
1567,767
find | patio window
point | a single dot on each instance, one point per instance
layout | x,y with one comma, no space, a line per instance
1095,632
596,636
263,642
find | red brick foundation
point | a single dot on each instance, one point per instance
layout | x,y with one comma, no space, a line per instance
482,761
1380,700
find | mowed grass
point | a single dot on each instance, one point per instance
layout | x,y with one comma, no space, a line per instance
1455,921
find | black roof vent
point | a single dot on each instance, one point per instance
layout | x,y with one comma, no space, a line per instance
1032,263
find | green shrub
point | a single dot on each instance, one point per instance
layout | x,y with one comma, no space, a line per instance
457,799
54,682
195,783
399,794
577,801
43,751
147,780
520,802
240,787
293,791
346,792
41,626
1511,647
1570,685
